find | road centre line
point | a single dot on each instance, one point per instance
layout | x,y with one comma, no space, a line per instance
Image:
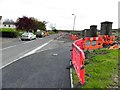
33,51
27,54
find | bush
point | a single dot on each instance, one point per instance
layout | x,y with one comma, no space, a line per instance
55,30
8,32
51,32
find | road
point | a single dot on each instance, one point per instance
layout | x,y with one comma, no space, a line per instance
17,48
39,63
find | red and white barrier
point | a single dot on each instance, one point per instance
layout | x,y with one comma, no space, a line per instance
73,37
78,58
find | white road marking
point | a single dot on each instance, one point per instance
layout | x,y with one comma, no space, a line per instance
15,45
71,76
44,50
8,47
29,53
33,51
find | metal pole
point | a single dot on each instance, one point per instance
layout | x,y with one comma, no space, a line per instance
74,21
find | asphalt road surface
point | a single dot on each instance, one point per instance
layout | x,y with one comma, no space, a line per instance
15,49
44,67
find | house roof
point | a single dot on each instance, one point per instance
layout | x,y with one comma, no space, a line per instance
10,22
106,22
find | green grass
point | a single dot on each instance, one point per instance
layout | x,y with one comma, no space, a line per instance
51,32
7,30
101,67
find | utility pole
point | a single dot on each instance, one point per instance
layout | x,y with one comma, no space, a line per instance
74,21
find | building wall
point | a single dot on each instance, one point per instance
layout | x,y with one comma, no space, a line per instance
1,23
87,32
93,31
83,33
106,28
8,26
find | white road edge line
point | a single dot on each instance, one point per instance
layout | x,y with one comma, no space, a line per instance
14,46
8,47
71,76
29,53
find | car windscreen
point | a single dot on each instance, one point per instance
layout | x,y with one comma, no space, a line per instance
25,34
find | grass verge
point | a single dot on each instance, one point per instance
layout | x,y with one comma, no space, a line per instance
51,32
101,69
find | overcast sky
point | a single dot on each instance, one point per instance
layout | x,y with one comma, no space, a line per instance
59,12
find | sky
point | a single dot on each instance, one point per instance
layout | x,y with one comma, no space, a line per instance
58,13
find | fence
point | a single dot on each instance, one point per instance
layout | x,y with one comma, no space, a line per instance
73,37
78,61
108,39
91,43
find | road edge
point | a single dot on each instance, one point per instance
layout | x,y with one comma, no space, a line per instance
71,76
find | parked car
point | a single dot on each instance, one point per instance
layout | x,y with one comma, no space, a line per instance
40,34
28,36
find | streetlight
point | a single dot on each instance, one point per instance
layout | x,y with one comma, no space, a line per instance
74,21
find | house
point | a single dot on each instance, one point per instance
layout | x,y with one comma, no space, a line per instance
8,24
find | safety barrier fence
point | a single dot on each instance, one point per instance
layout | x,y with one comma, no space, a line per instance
78,62
91,43
88,43
108,39
73,37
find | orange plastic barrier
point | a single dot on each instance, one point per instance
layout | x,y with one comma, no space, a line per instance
108,39
78,62
88,43
112,39
91,43
73,37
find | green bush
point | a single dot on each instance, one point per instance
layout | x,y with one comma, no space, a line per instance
9,32
51,32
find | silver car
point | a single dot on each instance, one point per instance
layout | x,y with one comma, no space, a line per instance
28,36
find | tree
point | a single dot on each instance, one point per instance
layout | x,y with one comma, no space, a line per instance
29,24
41,25
55,30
